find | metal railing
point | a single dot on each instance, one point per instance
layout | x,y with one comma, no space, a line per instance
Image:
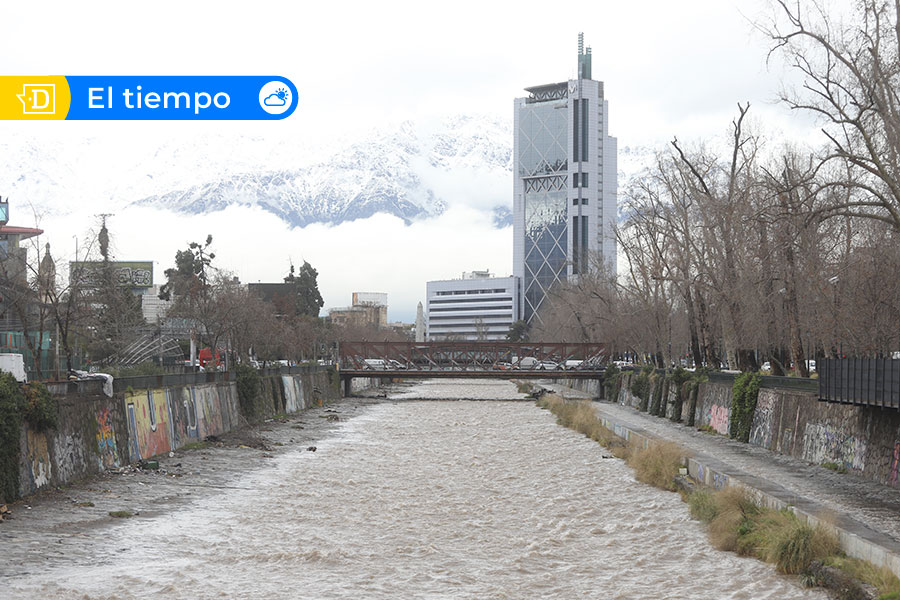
860,381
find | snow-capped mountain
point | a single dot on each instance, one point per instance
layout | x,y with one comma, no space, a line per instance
409,172
413,170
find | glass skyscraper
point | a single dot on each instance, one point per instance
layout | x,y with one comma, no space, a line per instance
564,165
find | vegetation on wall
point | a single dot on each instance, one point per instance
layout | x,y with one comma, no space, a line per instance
248,384
41,410
611,380
641,385
12,407
691,392
743,404
678,378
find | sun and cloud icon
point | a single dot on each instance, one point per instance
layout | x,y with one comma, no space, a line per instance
275,98
279,98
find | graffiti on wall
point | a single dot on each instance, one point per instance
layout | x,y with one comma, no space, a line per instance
165,419
761,430
895,463
106,440
38,459
709,477
148,423
826,443
215,410
717,417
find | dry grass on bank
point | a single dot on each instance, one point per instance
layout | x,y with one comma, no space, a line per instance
581,417
738,524
735,520
881,578
657,464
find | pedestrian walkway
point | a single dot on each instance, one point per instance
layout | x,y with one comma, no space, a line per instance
867,512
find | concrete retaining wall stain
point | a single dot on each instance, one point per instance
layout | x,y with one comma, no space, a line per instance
294,398
96,432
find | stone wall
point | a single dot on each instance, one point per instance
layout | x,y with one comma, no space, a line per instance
148,416
863,440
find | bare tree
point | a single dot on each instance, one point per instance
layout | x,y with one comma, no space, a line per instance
851,77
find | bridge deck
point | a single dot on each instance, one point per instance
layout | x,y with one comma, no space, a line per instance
472,374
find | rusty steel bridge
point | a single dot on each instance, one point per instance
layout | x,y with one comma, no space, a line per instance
470,360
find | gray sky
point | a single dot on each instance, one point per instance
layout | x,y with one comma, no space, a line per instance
669,69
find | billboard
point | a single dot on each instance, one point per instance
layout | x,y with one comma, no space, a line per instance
369,298
131,274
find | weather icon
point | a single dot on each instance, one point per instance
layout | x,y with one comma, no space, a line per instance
279,98
275,98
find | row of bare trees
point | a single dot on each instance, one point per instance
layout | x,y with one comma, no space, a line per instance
750,251
80,316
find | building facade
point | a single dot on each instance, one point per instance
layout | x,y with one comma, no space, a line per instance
564,169
369,309
477,307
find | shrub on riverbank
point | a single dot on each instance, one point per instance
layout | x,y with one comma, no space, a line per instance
735,520
738,524
657,464
12,407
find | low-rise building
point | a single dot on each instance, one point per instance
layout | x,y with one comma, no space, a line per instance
478,306
369,309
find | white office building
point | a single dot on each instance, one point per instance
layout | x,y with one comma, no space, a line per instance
478,306
564,169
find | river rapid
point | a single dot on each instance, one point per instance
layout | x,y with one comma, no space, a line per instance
423,499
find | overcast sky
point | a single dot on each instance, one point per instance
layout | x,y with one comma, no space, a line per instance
669,69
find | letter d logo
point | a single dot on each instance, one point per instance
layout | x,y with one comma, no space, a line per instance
38,98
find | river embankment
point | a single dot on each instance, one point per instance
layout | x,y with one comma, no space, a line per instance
401,497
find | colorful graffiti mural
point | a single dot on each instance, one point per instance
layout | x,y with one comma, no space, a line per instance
165,419
106,440
148,423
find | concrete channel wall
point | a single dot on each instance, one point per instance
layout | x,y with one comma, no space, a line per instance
789,419
147,416
857,541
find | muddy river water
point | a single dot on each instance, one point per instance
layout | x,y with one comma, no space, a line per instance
421,499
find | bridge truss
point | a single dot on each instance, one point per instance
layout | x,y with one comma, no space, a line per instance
466,356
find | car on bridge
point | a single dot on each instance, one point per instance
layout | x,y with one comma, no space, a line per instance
549,365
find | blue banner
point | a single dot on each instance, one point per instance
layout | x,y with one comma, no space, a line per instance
180,98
